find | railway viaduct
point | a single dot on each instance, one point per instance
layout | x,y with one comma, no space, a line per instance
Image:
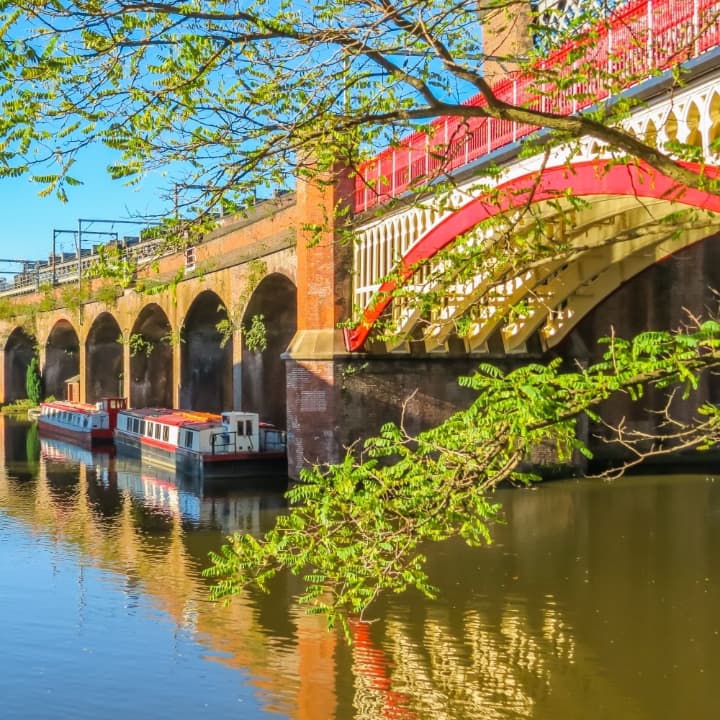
644,255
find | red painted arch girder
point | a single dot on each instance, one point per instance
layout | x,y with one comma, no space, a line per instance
584,178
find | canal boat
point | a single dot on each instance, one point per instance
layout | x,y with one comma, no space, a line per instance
83,423
232,443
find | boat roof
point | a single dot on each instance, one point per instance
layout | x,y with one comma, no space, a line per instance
192,419
71,406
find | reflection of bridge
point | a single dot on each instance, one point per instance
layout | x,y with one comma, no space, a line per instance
629,255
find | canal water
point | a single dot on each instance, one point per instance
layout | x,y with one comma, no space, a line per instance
596,600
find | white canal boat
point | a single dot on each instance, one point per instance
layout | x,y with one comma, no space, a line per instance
234,443
82,423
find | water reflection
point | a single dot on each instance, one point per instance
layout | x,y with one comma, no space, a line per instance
595,600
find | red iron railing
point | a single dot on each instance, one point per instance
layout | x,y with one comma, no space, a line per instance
639,38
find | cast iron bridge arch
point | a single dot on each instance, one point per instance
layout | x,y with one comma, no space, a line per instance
632,217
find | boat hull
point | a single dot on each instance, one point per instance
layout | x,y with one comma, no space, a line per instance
244,464
87,439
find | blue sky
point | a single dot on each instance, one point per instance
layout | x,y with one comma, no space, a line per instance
28,220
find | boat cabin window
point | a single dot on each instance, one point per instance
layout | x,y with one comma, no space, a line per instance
245,427
166,433
142,427
150,429
136,425
188,439
158,428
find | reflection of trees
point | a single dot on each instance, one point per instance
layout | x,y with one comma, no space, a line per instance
488,668
32,446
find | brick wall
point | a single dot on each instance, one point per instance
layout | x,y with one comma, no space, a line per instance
505,35
312,421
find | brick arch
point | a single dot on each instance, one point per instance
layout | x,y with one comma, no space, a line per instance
590,178
103,358
206,355
263,371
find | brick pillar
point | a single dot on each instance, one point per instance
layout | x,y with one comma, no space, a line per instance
323,292
237,354
3,361
505,36
127,378
176,372
82,358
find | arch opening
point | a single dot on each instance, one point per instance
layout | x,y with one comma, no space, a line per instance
693,122
103,359
62,358
263,371
714,131
19,351
151,359
206,381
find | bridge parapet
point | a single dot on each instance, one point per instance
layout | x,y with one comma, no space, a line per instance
67,268
400,246
146,250
640,39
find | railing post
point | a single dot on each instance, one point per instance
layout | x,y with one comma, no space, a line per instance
448,161
696,28
393,166
427,156
650,36
408,172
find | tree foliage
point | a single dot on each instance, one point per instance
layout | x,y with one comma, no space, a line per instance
33,381
229,97
357,529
